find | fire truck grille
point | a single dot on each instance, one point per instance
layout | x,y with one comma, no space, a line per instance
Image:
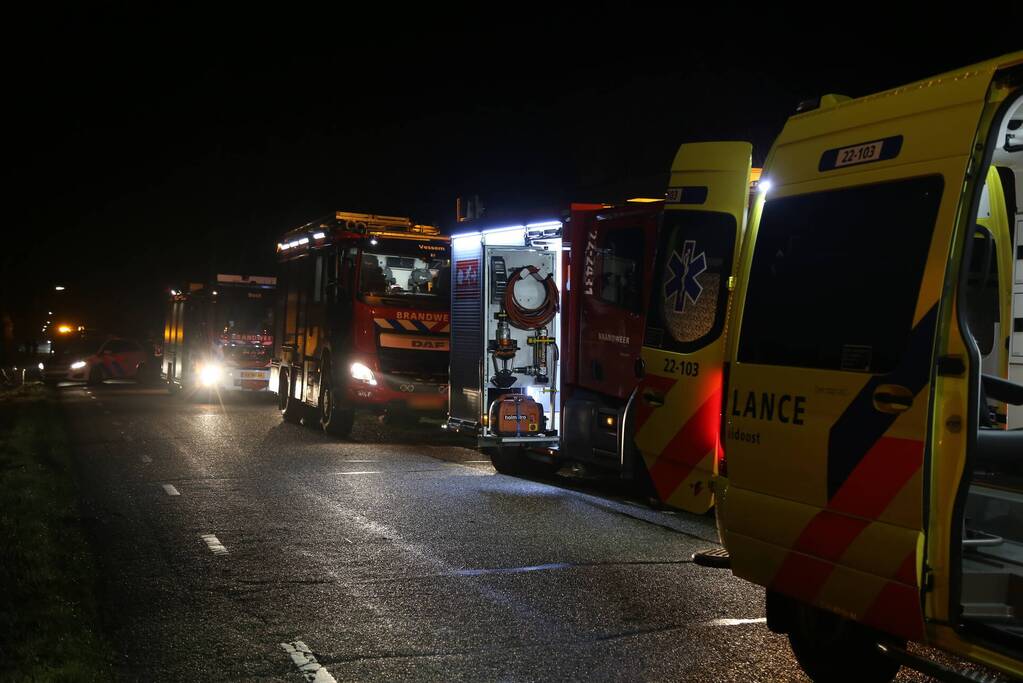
423,366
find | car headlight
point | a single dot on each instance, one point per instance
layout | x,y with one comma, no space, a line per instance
78,365
209,374
363,374
41,366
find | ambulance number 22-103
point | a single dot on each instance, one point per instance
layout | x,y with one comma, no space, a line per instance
686,368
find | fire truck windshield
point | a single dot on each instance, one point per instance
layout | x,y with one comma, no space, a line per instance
244,315
405,268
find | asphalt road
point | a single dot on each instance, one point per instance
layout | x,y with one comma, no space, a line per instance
237,547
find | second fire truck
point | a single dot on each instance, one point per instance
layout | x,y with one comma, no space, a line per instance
362,320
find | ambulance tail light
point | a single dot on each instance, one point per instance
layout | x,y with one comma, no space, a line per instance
722,461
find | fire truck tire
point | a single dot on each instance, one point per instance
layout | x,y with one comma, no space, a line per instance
291,409
95,376
334,419
513,462
830,648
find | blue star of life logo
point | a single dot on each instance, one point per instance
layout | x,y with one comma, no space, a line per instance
684,271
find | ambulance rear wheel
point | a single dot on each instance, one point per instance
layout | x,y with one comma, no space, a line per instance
513,462
291,409
832,649
334,419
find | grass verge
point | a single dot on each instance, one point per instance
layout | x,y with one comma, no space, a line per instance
49,619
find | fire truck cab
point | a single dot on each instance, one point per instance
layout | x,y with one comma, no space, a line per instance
362,320
873,411
217,336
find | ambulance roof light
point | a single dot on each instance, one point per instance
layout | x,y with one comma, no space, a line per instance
821,102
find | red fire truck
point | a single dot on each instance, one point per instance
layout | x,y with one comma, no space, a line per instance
362,320
217,335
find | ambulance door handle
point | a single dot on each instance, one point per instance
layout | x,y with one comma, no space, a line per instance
892,398
652,399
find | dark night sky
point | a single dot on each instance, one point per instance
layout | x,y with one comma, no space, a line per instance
153,148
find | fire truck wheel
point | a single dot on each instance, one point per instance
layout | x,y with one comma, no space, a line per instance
515,463
334,420
830,648
95,375
291,409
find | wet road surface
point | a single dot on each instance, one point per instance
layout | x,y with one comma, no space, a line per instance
237,547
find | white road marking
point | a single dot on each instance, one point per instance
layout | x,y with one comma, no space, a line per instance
734,622
366,472
171,491
216,547
362,461
305,660
146,460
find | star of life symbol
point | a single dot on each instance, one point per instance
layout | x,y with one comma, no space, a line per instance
685,270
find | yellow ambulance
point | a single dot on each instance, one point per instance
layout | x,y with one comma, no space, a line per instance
872,422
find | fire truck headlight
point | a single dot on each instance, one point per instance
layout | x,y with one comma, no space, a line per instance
209,374
363,374
78,365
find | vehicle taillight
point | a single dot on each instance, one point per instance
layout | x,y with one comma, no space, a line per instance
722,461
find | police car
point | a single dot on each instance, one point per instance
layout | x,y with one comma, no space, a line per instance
92,360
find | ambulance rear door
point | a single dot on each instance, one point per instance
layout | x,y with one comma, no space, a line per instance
675,413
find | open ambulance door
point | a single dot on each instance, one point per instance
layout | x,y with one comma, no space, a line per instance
979,404
675,411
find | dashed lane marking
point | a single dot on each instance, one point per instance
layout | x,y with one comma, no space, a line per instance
734,622
170,490
305,660
216,547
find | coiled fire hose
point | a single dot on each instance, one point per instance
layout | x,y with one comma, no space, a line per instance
531,318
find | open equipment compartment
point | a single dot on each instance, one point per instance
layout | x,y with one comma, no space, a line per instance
505,343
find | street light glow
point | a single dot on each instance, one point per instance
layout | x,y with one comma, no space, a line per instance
59,288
